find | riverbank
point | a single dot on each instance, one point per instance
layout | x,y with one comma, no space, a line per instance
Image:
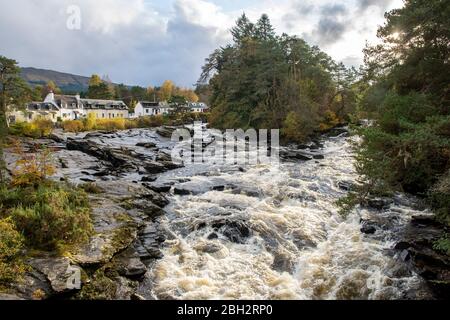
163,231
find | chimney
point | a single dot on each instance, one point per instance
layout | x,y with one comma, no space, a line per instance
50,97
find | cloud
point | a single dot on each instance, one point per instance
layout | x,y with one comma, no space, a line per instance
145,41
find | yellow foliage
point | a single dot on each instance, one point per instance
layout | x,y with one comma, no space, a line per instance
32,169
330,120
90,122
11,244
73,126
111,124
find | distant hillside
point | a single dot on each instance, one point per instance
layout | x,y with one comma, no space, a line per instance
67,82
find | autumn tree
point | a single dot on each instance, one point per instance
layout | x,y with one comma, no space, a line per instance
99,89
166,90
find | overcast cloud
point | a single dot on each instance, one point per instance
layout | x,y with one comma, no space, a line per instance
145,42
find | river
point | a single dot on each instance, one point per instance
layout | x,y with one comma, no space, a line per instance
274,232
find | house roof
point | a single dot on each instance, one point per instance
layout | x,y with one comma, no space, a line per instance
68,102
153,105
107,104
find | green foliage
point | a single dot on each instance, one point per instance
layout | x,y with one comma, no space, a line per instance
50,215
11,245
91,188
39,128
267,81
443,244
408,148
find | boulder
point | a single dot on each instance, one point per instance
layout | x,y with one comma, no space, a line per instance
59,272
165,131
416,247
149,178
129,265
379,203
368,227
236,231
148,145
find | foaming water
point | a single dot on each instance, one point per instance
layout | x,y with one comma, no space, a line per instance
294,244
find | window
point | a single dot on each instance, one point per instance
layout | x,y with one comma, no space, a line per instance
103,115
147,110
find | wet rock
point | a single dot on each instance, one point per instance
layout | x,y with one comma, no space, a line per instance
116,157
165,131
33,282
345,185
282,263
154,167
88,180
182,192
379,203
153,211
248,191
159,187
336,132
104,246
295,155
163,157
208,247
212,236
319,156
417,248
148,145
63,163
149,178
57,138
57,271
128,264
235,231
368,227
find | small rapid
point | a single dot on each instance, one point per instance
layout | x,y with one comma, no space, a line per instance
274,232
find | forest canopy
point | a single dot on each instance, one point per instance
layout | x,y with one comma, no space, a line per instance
265,80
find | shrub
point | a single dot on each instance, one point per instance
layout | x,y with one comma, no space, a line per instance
11,244
91,188
73,126
53,215
151,121
296,128
111,124
32,169
330,120
90,122
39,128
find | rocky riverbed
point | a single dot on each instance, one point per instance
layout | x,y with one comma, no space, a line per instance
163,231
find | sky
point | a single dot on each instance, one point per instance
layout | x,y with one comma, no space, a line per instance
144,42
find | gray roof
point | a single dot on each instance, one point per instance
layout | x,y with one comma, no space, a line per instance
103,104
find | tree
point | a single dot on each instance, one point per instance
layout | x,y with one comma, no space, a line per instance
166,91
50,87
267,81
243,29
264,29
409,72
99,89
95,80
11,89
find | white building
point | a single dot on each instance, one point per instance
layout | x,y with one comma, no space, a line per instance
146,108
65,107
198,107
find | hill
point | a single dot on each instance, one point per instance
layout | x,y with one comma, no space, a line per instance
66,81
